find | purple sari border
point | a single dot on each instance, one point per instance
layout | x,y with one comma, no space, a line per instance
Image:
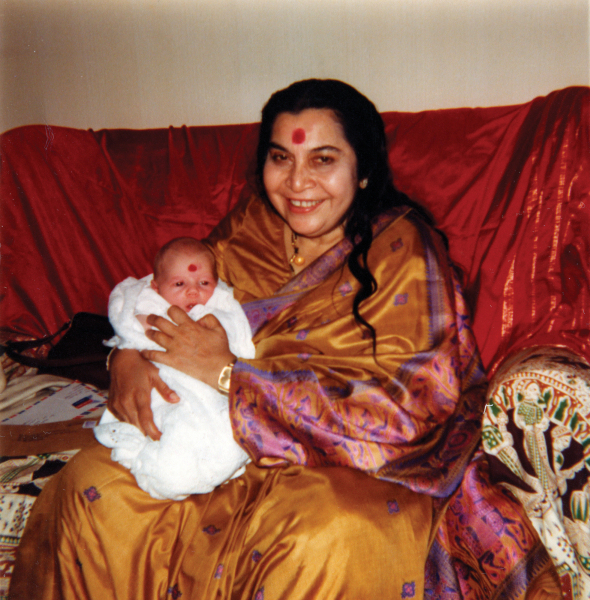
259,312
283,376
334,258
447,578
433,278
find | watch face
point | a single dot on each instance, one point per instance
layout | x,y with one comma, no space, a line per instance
225,378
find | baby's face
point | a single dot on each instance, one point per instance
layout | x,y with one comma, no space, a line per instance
186,279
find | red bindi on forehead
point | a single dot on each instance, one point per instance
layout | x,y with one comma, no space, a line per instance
192,267
298,136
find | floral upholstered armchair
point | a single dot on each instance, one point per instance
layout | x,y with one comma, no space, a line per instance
537,434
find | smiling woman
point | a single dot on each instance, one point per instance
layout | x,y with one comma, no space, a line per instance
310,178
348,157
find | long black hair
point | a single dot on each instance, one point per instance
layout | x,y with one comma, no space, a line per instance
365,132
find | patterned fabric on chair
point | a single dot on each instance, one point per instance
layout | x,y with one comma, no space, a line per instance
536,431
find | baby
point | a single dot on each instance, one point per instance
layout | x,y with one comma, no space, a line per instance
197,451
184,274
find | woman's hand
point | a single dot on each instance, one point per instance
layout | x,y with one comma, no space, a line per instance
200,349
132,380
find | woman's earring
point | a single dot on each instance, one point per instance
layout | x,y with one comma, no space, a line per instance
363,183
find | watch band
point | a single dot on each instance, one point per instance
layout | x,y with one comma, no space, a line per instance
225,378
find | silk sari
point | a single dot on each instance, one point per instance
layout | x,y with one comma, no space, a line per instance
316,394
410,415
360,455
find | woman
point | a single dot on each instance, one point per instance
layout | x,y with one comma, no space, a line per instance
360,411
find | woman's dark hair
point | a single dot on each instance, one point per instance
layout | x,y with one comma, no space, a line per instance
365,132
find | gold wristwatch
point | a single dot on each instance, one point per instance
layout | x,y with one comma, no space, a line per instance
225,378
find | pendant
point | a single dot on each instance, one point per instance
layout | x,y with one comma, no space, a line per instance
296,259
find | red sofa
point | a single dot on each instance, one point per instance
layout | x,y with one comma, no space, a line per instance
509,186
82,210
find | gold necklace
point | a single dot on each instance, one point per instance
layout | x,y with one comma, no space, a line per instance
296,258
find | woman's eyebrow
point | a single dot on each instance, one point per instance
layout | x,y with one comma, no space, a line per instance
326,148
277,146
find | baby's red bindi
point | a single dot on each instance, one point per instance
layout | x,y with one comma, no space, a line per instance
298,136
192,267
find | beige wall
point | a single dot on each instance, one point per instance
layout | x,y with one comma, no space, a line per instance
154,63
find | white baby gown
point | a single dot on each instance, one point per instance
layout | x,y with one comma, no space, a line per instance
197,451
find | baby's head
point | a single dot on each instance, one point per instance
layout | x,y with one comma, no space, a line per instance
185,273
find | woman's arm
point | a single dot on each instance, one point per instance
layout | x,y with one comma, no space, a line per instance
132,380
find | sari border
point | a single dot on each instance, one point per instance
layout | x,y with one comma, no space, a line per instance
261,311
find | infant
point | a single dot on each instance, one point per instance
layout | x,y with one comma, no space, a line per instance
197,451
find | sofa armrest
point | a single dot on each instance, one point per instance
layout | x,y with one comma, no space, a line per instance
536,432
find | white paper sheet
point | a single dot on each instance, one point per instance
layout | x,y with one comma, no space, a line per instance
74,401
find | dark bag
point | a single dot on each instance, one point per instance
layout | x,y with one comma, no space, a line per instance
79,354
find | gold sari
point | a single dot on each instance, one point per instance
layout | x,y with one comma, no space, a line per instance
355,455
315,394
290,532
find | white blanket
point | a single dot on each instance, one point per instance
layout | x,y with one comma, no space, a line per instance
197,451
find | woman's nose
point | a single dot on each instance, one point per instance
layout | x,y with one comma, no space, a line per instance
300,178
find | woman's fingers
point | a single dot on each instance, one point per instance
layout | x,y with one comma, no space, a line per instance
160,324
145,421
175,313
178,315
162,339
210,322
165,331
155,356
132,380
166,392
199,349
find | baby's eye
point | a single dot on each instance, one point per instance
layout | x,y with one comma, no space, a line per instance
179,283
204,283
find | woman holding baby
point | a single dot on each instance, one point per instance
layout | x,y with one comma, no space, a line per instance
360,412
